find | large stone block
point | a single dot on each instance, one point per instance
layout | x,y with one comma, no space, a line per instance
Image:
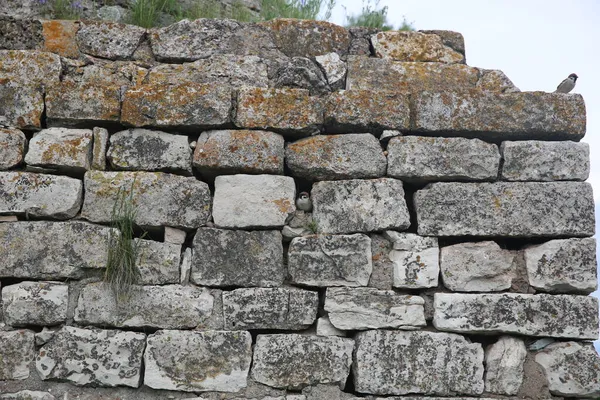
368,308
248,201
511,209
29,67
95,357
526,115
414,46
454,40
40,195
382,276
359,205
27,395
559,316
504,366
433,363
332,157
35,303
237,258
330,260
158,262
416,260
18,351
533,160
423,159
296,361
159,198
194,361
270,308
17,33
21,105
61,148
60,37
97,38
12,147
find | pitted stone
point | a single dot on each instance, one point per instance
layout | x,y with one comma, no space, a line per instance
29,67
334,68
504,366
415,260
35,303
61,148
27,395
12,147
18,351
99,148
18,33
60,37
110,40
494,80
158,262
414,46
21,105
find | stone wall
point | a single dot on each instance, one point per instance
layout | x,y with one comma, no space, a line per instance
448,252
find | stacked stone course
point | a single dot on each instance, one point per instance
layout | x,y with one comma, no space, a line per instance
448,252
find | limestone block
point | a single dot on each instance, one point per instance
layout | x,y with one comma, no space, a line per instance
504,366
494,80
61,148
359,205
558,316
299,73
19,34
296,361
334,69
27,395
454,40
414,46
12,147
60,37
21,105
360,42
330,260
96,357
237,258
97,38
433,363
158,262
248,201
35,303
415,260
195,361
509,209
326,328
29,67
99,148
18,352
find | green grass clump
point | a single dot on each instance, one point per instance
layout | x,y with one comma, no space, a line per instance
372,16
300,9
145,13
313,226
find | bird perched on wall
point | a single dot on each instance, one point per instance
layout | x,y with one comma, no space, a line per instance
303,202
567,85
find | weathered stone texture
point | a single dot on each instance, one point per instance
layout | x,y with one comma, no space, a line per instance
27,395
269,308
237,258
61,148
35,303
545,161
194,361
300,73
29,67
454,40
19,34
12,147
510,209
434,363
359,205
504,366
334,69
325,328
424,159
158,262
330,260
559,316
248,201
495,81
21,106
414,46
109,40
60,37
99,148
368,308
382,276
295,361
415,260
92,357
18,352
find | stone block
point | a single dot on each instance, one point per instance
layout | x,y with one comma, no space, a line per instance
158,262
334,69
99,148
62,148
21,105
60,37
414,46
29,67
415,260
18,351
19,34
97,38
35,303
504,362
12,147
326,328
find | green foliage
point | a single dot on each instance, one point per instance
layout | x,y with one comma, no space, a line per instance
215,9
62,9
300,9
313,226
145,13
374,17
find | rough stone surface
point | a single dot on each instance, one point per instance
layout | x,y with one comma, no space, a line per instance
330,260
158,262
382,276
196,361
40,195
510,209
559,316
572,369
424,159
12,147
142,149
454,40
99,148
239,151
92,357
17,349
108,39
415,260
51,250
176,236
433,363
301,73
60,37
160,199
359,205
496,81
21,105
533,115
291,112
247,201
477,267
269,308
563,266
545,161
332,157
35,303
237,258
326,328
27,395
334,68
414,46
369,308
61,148
295,361
504,366
360,42
19,34
29,67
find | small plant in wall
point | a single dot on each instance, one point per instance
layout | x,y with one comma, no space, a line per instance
62,9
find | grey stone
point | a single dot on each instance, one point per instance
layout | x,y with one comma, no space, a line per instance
334,69
27,395
110,40
160,199
237,258
415,260
477,267
25,67
21,106
326,328
18,352
296,361
142,149
35,303
330,260
12,147
382,276
388,134
454,40
175,236
248,201
69,149
158,262
360,40
423,159
17,33
433,363
563,266
92,357
302,73
545,161
509,209
40,195
504,366
332,157
186,267
43,337
99,148
113,13
359,205
496,81
414,46
194,361
325,391
369,308
559,316
269,308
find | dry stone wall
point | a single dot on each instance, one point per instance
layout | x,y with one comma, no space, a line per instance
446,251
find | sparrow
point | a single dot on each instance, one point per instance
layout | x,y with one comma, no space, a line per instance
567,85
303,202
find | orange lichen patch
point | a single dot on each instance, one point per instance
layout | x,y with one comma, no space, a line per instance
59,37
285,205
414,46
29,67
81,101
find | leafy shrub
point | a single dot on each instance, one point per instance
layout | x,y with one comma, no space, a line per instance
374,17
